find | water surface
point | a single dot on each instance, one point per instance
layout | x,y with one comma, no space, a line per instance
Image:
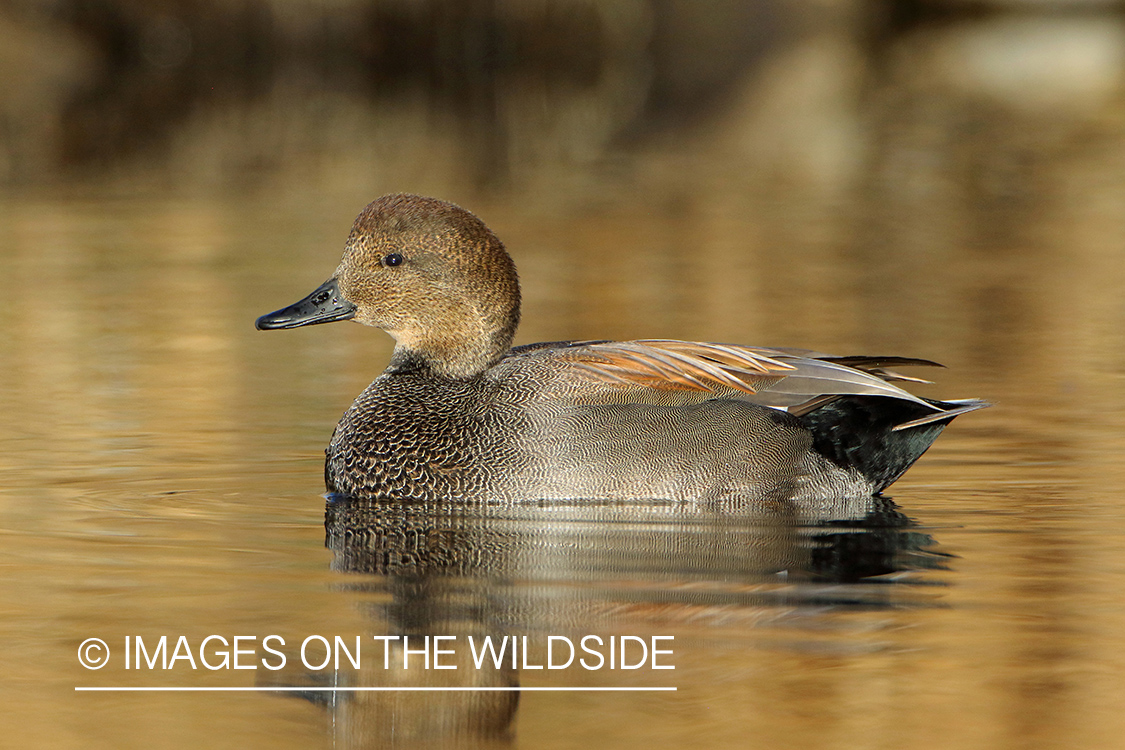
160,461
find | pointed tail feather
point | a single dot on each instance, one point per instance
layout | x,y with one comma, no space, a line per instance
880,437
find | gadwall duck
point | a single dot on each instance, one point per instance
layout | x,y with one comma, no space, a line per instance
460,414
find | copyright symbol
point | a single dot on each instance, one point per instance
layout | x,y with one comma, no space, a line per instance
93,653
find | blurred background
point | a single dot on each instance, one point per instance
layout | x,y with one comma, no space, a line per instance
843,161
933,178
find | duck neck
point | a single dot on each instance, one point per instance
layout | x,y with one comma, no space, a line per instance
451,356
460,338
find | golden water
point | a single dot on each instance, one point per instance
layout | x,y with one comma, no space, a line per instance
160,460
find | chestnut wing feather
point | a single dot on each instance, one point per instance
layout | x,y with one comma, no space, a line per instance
595,371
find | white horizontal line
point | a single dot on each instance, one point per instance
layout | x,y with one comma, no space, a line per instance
360,689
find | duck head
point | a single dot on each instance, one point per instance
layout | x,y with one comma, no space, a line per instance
430,274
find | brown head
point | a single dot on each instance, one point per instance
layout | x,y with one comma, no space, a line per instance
430,274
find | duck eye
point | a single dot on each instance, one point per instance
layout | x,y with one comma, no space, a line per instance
394,259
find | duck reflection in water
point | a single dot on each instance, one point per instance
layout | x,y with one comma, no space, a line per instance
461,414
570,569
